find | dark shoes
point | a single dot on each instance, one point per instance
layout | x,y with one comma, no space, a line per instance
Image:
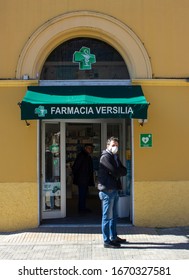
119,240
111,244
115,243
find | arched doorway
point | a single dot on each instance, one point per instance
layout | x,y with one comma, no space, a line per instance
60,195
33,61
84,24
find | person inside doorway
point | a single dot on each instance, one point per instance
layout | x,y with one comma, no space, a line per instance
109,184
83,175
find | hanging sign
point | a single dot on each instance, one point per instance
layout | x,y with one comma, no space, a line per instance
84,58
145,140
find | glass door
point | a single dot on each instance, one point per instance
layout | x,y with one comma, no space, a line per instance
52,181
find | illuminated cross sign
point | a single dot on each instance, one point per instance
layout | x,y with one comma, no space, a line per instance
84,58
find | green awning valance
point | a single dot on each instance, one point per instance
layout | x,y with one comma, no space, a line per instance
83,102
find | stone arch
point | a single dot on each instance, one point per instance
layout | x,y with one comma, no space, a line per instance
84,24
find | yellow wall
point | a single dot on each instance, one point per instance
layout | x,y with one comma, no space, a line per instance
19,206
160,25
161,187
168,122
161,173
161,204
18,163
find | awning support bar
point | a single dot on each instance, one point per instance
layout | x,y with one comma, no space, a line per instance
27,123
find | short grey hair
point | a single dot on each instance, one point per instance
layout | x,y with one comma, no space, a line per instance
115,139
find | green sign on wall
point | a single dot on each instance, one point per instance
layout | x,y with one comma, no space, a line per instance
145,140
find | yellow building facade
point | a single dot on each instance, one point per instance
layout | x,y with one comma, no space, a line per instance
151,38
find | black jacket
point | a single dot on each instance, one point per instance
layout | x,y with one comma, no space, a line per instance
83,170
110,172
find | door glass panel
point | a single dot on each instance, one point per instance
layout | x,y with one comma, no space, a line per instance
51,184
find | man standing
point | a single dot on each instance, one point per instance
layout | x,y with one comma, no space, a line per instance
110,171
83,175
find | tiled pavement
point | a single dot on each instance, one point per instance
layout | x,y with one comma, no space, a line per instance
85,243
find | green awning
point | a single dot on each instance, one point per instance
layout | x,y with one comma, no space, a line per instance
83,102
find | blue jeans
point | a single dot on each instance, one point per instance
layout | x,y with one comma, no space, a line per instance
109,214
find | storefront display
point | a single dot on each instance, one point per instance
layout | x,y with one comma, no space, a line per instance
77,135
61,142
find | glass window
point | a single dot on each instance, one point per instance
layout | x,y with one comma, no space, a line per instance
52,186
60,66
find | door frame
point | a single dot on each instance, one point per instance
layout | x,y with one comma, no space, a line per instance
62,212
63,122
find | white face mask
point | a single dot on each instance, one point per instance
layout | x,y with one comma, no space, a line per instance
114,150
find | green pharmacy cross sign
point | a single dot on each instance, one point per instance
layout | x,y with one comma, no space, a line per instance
40,111
84,58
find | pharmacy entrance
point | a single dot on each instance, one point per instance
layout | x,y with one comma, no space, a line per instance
61,141
69,117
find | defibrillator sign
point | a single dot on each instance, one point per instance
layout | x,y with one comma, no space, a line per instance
146,140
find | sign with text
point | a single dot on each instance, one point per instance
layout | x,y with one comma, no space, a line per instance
56,111
84,102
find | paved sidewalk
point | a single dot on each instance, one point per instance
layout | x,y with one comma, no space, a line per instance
85,243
